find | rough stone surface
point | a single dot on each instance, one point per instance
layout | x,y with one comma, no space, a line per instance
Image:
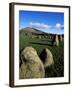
32,66
56,41
47,57
61,39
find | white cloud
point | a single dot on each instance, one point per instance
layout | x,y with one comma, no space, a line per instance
45,27
59,26
39,25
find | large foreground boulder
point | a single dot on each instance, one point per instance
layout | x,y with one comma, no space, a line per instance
46,57
32,66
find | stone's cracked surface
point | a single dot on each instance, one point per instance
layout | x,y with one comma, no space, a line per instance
32,66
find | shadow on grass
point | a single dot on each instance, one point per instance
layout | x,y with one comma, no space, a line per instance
47,40
41,43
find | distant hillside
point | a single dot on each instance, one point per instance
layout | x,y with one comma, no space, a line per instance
31,30
36,31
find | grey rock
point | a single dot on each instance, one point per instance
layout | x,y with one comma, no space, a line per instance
46,57
32,66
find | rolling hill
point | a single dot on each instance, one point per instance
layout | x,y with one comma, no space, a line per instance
31,30
36,31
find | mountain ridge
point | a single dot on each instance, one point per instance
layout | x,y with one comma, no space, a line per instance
35,31
32,30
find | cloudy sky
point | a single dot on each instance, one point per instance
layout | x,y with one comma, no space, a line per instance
50,22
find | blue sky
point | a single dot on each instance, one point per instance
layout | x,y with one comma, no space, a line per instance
50,22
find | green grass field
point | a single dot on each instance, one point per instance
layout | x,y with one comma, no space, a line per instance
56,70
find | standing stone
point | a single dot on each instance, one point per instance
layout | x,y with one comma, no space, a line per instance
46,57
61,38
39,37
57,40
32,66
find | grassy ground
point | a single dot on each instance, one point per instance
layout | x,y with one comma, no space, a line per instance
56,70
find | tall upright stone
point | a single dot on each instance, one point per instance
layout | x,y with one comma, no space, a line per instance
56,41
61,39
